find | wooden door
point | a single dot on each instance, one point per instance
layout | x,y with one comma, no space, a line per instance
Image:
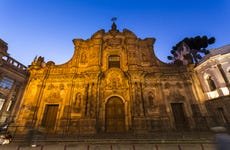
49,116
115,116
179,116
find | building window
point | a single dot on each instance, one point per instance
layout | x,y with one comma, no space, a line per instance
114,61
6,83
2,101
211,84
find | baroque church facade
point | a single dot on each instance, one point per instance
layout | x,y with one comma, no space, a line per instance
113,83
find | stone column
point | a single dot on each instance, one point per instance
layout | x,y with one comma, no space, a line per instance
142,100
86,100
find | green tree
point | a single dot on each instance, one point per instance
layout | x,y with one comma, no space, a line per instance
190,49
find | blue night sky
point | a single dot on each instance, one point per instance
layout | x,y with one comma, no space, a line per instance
47,27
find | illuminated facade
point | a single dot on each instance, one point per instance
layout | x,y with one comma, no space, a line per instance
214,73
13,77
113,83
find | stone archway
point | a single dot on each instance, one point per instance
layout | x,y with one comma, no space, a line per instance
115,115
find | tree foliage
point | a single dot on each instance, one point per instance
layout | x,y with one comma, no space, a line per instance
190,49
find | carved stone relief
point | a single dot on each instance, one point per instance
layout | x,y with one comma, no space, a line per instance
176,96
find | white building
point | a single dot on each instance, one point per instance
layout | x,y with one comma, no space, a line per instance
214,74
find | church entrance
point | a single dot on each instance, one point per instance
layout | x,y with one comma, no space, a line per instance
49,116
179,116
114,116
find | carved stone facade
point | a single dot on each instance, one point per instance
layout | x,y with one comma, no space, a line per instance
13,78
113,83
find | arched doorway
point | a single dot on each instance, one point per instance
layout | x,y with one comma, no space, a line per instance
115,115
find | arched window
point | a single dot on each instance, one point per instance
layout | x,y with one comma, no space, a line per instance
211,83
114,61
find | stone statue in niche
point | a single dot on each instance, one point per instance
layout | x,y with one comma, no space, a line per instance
150,99
137,106
77,103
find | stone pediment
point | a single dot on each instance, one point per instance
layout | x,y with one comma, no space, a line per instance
113,33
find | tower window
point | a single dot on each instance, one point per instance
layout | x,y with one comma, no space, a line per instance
114,61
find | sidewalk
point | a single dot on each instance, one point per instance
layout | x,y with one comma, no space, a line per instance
114,145
176,141
89,146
